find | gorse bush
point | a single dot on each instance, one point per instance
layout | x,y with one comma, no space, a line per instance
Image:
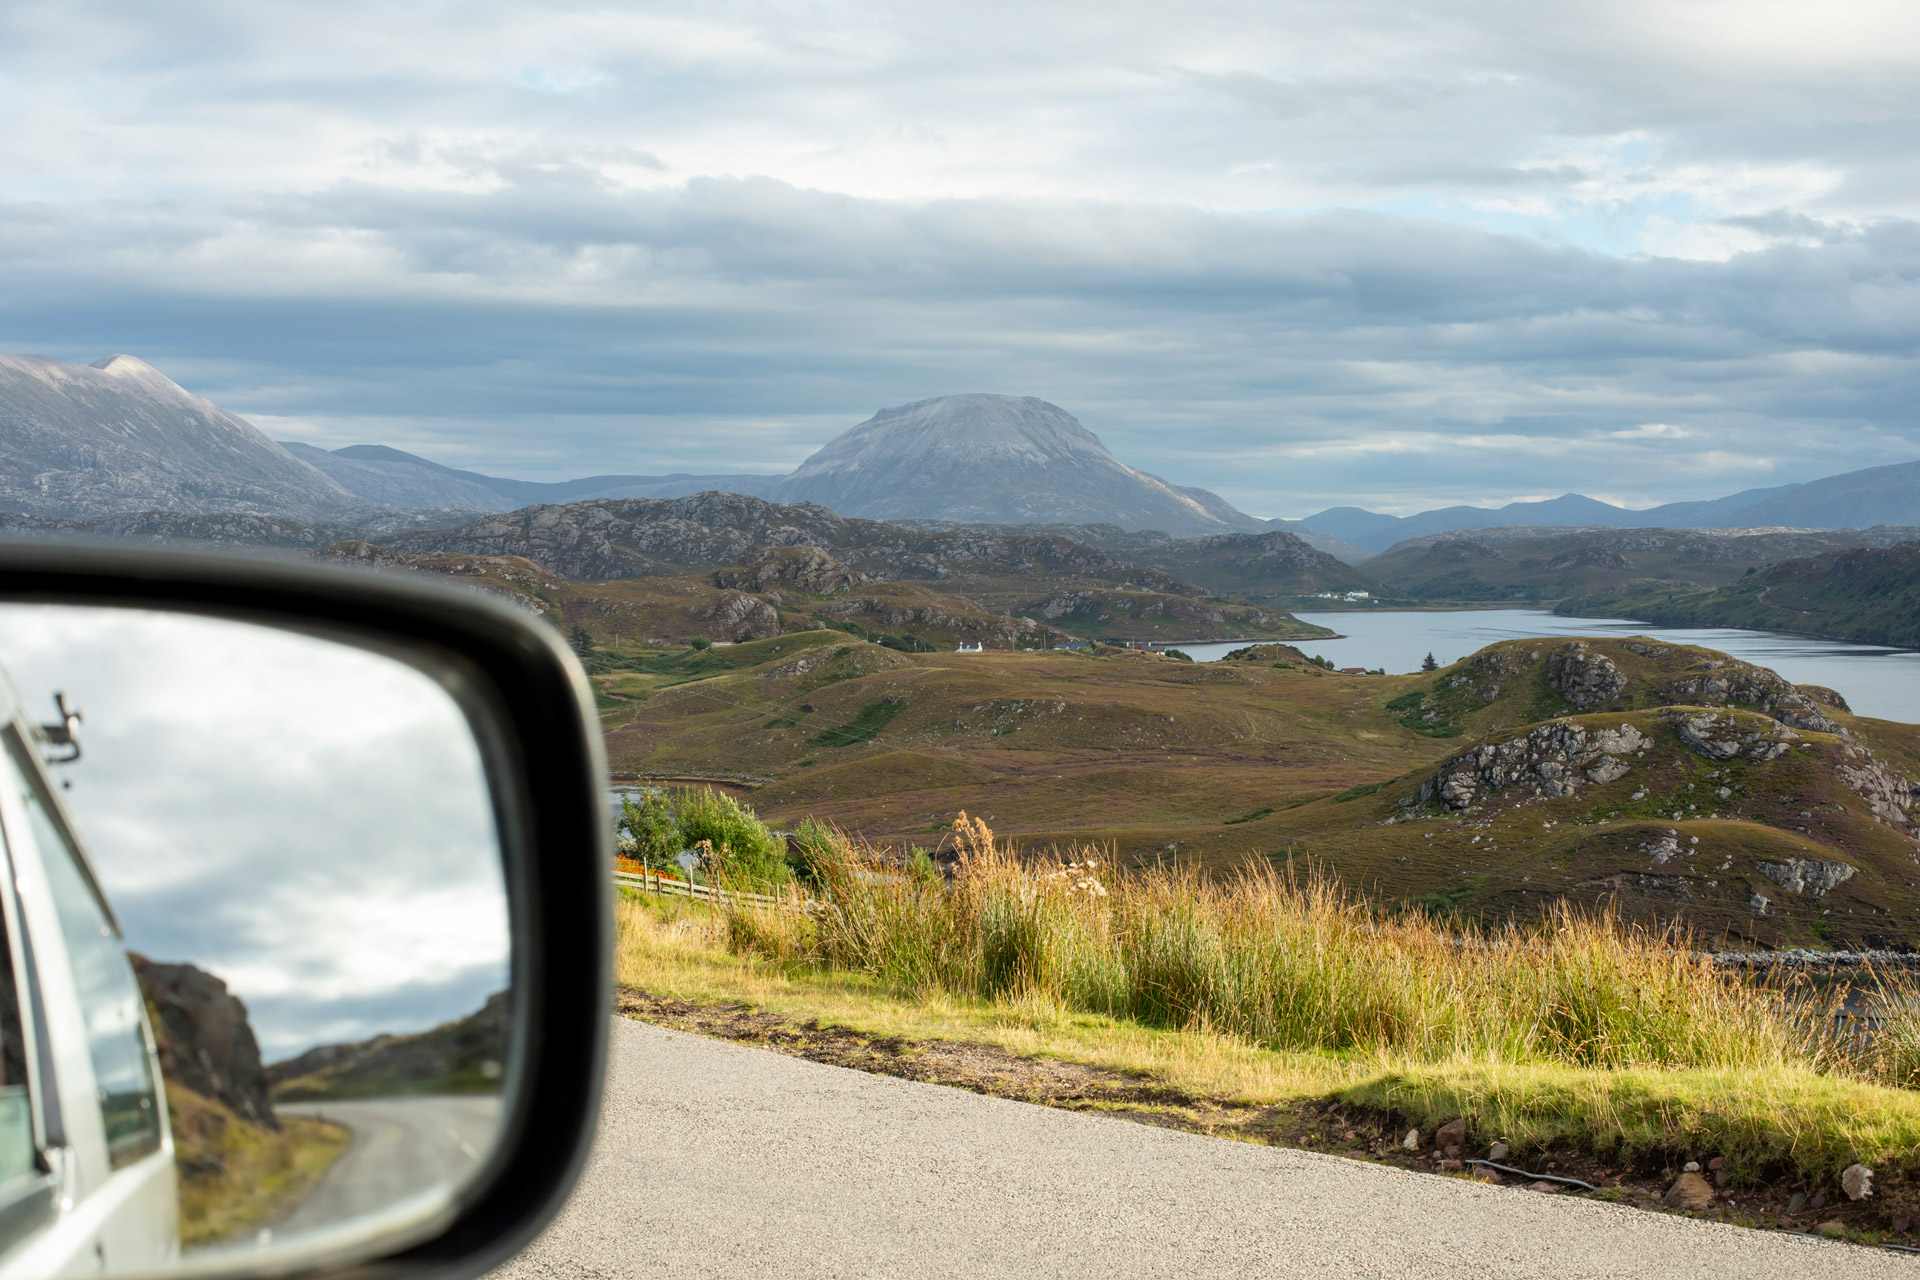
1289,962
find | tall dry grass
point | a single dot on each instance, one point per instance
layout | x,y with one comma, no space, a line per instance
1292,962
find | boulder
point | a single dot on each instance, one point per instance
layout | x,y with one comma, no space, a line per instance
1690,1191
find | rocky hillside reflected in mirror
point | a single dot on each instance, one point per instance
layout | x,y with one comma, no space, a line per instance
298,842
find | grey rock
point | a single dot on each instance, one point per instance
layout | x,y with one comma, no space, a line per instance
1816,876
1857,1181
1586,679
1553,759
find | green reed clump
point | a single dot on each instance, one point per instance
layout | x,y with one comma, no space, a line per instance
1287,961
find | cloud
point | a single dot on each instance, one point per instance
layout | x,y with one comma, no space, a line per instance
306,821
1251,247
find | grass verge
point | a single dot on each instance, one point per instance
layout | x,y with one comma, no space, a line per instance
236,1175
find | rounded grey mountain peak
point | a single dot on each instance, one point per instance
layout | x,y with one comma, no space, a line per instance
995,459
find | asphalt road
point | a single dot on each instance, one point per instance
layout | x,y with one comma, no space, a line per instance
719,1160
400,1147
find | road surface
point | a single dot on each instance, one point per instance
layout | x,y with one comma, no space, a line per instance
718,1160
400,1147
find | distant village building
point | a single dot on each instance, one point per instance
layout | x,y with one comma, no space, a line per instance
1353,671
1075,645
968,646
1359,595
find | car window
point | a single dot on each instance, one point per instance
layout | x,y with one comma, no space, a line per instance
16,1106
109,996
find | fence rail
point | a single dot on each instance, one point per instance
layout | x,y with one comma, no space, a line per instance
654,882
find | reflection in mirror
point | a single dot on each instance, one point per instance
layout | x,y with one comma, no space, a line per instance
254,983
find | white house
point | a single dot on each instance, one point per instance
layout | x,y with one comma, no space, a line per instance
968,646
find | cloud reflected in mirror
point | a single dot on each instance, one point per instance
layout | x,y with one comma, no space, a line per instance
298,841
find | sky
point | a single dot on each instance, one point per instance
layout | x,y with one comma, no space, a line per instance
1303,254
306,821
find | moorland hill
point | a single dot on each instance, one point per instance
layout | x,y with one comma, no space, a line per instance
1868,595
1269,759
1545,565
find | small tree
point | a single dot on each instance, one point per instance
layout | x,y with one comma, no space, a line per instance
1178,656
646,831
581,640
701,642
1428,664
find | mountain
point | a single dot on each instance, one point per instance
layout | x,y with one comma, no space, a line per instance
397,478
1888,495
1877,495
117,436
465,1055
996,459
1554,563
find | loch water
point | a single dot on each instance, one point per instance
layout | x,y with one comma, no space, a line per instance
1876,681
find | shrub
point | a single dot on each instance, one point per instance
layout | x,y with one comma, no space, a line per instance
700,642
739,847
647,831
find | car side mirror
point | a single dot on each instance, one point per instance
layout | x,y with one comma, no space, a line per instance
305,900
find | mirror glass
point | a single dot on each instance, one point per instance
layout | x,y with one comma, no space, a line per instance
255,997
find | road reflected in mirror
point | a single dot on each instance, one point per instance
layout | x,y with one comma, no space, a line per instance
257,990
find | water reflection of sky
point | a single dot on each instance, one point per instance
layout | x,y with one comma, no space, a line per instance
305,820
1876,681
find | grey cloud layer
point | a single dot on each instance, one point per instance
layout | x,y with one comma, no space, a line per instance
501,241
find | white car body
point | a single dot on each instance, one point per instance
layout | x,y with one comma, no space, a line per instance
74,1204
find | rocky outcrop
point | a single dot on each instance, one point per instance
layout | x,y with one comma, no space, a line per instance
206,1043
1554,759
737,615
1816,876
1584,678
807,569
1757,687
1727,735
1889,796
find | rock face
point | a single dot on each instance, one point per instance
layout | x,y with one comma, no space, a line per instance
205,1041
1555,759
1889,796
1725,735
806,569
1806,875
117,436
996,459
1585,679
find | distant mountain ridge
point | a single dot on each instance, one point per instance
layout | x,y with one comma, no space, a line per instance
974,458
1886,495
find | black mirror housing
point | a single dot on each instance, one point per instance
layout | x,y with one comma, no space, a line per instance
534,719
